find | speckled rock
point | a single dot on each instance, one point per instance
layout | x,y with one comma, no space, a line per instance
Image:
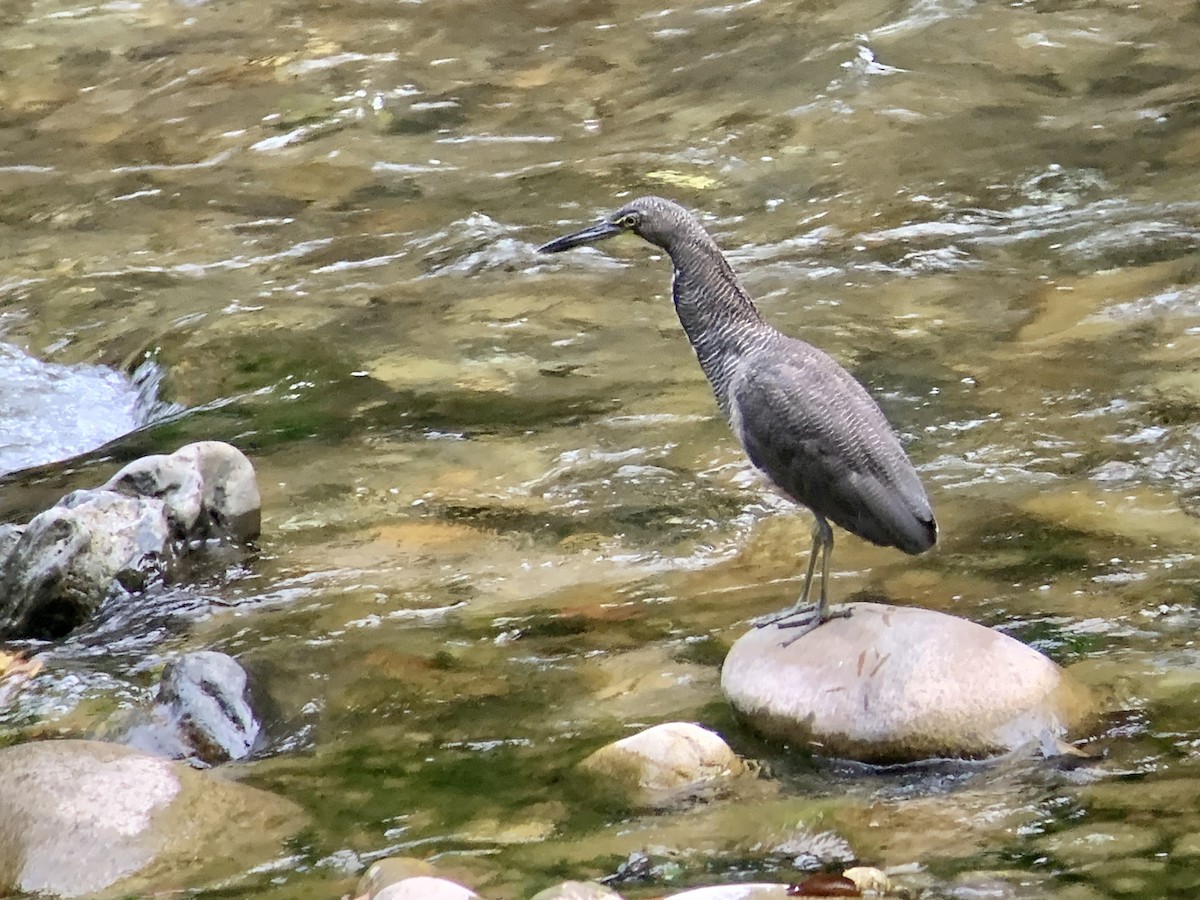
68,559
89,818
577,890
899,683
202,712
666,764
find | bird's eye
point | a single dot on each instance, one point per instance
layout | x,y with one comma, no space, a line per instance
629,220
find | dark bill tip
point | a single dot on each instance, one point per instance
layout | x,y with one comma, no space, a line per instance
589,235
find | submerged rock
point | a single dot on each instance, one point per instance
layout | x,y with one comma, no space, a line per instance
120,536
96,819
202,712
893,684
666,764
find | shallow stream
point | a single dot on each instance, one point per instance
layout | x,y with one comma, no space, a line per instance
503,521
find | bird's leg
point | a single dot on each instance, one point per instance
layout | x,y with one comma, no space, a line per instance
802,614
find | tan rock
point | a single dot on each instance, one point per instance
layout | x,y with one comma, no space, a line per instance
577,890
424,887
667,763
899,683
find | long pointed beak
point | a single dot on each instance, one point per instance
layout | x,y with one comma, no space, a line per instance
589,235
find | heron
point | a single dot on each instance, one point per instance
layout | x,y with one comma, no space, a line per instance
802,419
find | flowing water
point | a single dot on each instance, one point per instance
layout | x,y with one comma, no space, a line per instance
503,522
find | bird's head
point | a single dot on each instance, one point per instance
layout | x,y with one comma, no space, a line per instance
651,218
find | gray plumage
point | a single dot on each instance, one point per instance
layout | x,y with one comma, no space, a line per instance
803,419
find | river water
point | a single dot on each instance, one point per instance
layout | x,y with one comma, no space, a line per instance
503,521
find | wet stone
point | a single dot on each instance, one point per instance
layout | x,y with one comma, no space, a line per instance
72,555
577,890
667,764
735,892
121,536
97,817
424,887
202,712
893,684
209,490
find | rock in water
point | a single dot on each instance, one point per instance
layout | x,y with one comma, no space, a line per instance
202,713
208,488
88,818
56,571
666,764
72,555
894,684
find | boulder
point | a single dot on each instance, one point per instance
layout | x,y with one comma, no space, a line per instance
89,818
57,570
666,764
202,712
208,490
894,684
69,558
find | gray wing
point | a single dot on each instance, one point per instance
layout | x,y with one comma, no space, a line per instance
816,432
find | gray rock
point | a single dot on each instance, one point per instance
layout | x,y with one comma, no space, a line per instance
71,556
9,535
894,684
666,764
88,818
63,564
208,488
202,712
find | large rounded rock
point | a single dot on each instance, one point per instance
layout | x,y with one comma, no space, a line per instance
895,684
666,764
88,818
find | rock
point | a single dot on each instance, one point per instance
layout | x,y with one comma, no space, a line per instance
424,887
734,892
390,870
9,535
893,684
89,818
208,488
71,556
63,564
577,890
405,878
202,711
666,764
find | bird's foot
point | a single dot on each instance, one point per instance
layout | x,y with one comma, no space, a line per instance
805,619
